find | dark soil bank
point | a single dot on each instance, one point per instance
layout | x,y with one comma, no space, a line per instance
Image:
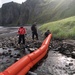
60,59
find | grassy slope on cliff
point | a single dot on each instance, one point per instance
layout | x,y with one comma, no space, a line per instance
64,28
52,10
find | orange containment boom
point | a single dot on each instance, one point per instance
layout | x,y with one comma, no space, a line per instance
22,66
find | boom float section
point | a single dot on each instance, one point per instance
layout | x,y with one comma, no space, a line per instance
22,66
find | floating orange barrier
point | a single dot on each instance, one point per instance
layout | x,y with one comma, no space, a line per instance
22,66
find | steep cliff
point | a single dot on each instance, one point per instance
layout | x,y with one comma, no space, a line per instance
10,13
40,11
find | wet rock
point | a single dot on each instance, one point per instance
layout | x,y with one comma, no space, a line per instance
67,65
16,55
32,49
67,52
37,44
11,55
27,51
31,73
70,64
5,53
12,44
0,54
16,59
9,52
7,61
4,48
27,46
70,42
73,54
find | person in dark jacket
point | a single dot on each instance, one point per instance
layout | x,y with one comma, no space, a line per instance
21,32
34,31
47,33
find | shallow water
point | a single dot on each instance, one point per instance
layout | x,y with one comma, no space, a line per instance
57,64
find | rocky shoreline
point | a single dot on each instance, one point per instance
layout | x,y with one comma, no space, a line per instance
60,52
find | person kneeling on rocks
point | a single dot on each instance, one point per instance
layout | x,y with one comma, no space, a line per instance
21,32
47,33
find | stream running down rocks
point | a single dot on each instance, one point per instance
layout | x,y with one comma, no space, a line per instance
59,60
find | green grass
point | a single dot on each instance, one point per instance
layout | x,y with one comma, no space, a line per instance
64,29
52,10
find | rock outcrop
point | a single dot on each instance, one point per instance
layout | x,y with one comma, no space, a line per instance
10,13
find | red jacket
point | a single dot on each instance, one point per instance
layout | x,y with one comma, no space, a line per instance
22,31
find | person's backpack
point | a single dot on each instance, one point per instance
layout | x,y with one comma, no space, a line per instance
32,28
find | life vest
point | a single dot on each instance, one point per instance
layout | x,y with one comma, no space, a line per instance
21,31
